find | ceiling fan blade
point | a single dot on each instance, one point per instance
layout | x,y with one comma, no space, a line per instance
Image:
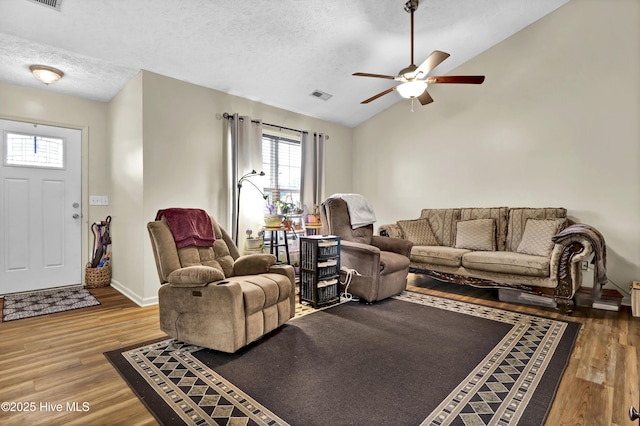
461,79
431,62
373,98
365,74
425,98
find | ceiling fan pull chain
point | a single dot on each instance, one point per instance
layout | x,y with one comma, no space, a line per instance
412,99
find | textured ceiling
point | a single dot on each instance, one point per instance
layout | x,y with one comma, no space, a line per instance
275,52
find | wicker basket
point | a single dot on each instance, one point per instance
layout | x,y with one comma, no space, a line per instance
97,277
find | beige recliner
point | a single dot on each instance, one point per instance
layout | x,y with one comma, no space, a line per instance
213,297
382,262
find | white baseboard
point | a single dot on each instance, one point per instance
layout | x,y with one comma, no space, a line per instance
134,297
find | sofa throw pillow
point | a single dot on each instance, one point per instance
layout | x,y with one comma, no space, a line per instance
476,234
536,238
419,232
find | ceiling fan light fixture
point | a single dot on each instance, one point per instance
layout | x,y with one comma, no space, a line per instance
46,74
412,89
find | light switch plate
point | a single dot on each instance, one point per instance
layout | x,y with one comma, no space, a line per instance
98,200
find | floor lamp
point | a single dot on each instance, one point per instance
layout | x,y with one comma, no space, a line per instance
246,177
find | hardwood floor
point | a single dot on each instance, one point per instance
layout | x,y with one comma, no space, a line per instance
58,359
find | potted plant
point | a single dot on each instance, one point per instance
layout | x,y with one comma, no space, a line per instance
273,219
289,209
314,217
253,243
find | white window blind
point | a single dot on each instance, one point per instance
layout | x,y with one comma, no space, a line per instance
281,161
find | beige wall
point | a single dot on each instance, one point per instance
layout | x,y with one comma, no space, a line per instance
179,152
125,150
554,124
157,144
39,106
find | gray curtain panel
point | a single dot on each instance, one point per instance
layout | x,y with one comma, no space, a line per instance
244,155
312,191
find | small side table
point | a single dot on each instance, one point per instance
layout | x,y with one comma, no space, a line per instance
274,241
320,270
313,228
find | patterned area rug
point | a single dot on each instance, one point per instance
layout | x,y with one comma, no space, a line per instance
25,305
413,359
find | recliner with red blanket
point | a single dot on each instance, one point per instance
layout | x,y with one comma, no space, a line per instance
382,263
213,297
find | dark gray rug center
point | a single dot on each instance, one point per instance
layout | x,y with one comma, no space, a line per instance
404,361
32,304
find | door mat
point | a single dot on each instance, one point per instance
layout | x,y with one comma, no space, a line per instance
43,302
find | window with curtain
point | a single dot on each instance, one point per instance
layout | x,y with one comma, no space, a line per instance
281,161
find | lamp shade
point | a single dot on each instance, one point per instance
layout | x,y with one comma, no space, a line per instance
412,89
46,74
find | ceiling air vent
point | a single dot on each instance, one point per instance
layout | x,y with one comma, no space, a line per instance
53,4
321,95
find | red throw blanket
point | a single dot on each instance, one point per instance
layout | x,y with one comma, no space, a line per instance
190,227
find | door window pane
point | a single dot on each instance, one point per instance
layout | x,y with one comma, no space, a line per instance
33,151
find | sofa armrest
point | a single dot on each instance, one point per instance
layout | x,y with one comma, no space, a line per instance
581,254
253,264
286,270
396,245
565,264
364,258
390,230
194,276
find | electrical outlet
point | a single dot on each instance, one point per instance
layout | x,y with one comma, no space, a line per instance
98,200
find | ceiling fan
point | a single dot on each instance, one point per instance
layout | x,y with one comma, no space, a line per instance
414,80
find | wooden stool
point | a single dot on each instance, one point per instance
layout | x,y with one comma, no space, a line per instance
274,241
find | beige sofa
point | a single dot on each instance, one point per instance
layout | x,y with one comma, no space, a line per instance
499,247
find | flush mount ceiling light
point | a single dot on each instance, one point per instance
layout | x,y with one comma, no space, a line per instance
46,74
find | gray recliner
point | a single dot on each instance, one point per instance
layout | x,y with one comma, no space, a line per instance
382,262
213,297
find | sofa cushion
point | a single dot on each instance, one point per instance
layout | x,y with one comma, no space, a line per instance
507,262
195,275
218,256
261,291
476,234
443,224
439,255
499,214
419,232
536,239
518,220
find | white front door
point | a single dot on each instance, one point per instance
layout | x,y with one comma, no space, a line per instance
40,214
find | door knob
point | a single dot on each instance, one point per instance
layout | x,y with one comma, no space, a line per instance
75,215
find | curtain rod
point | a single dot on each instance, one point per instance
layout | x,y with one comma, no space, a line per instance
227,116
